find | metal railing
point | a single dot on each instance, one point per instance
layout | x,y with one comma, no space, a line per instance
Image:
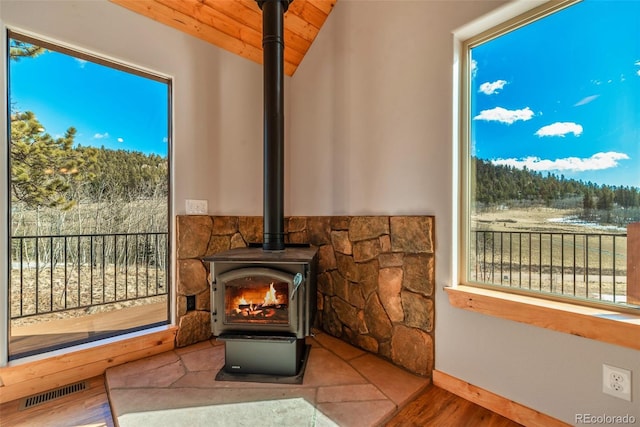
59,273
589,266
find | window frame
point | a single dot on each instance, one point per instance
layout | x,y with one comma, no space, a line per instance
4,205
6,358
600,321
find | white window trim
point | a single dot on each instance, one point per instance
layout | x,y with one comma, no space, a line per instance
598,323
4,209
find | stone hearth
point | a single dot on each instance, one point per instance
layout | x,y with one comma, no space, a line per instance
375,278
343,386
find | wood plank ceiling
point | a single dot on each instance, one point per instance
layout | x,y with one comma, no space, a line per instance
236,25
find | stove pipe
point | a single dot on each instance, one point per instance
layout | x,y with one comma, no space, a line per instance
273,74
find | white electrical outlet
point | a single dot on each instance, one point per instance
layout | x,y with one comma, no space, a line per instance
616,382
196,207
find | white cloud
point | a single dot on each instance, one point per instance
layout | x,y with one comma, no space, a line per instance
503,115
560,129
120,140
81,62
101,135
598,161
493,87
586,100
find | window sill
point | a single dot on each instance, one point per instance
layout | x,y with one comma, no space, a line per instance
608,326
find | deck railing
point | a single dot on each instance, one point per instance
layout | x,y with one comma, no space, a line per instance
589,266
59,273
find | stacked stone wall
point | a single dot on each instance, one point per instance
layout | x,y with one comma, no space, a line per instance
375,278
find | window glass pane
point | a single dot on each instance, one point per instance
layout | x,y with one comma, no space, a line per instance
89,197
554,129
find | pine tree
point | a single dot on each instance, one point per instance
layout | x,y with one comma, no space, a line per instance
605,198
42,168
19,49
587,200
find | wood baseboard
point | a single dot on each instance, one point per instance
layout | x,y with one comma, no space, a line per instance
24,378
498,404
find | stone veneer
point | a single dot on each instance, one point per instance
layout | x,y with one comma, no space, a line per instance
375,278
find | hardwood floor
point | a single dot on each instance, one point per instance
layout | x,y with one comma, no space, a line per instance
89,407
438,407
433,407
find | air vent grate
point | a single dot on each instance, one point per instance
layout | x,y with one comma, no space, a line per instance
38,399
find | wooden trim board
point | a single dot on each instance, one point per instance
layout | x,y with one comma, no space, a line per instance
24,378
498,404
600,324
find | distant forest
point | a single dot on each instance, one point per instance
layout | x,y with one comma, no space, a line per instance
56,173
106,175
495,185
106,191
123,175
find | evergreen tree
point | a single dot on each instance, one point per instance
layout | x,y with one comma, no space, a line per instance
42,168
605,198
19,49
587,200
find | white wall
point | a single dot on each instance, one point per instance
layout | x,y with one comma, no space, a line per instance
371,133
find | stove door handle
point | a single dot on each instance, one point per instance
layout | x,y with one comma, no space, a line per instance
213,290
297,281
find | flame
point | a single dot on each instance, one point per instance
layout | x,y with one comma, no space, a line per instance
270,298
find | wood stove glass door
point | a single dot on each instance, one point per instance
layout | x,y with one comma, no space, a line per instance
256,296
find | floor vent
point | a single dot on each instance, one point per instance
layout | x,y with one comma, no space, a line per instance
38,399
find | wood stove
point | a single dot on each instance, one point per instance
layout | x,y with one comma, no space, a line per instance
263,306
263,300
259,291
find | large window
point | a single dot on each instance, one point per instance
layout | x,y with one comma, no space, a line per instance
551,149
89,197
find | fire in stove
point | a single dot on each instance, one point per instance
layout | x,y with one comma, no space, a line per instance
257,300
257,291
262,307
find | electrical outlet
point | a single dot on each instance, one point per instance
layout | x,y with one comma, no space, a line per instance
196,207
191,302
616,382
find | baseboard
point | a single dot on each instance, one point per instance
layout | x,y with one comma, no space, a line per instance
24,378
495,403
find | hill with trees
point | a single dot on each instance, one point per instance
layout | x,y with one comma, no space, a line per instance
495,185
58,187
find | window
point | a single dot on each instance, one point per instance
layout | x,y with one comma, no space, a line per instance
551,156
88,195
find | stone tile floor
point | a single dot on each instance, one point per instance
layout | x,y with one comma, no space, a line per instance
343,386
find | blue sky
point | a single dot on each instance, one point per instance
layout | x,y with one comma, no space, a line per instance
562,95
109,108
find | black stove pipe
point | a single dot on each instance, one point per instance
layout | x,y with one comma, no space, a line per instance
273,172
